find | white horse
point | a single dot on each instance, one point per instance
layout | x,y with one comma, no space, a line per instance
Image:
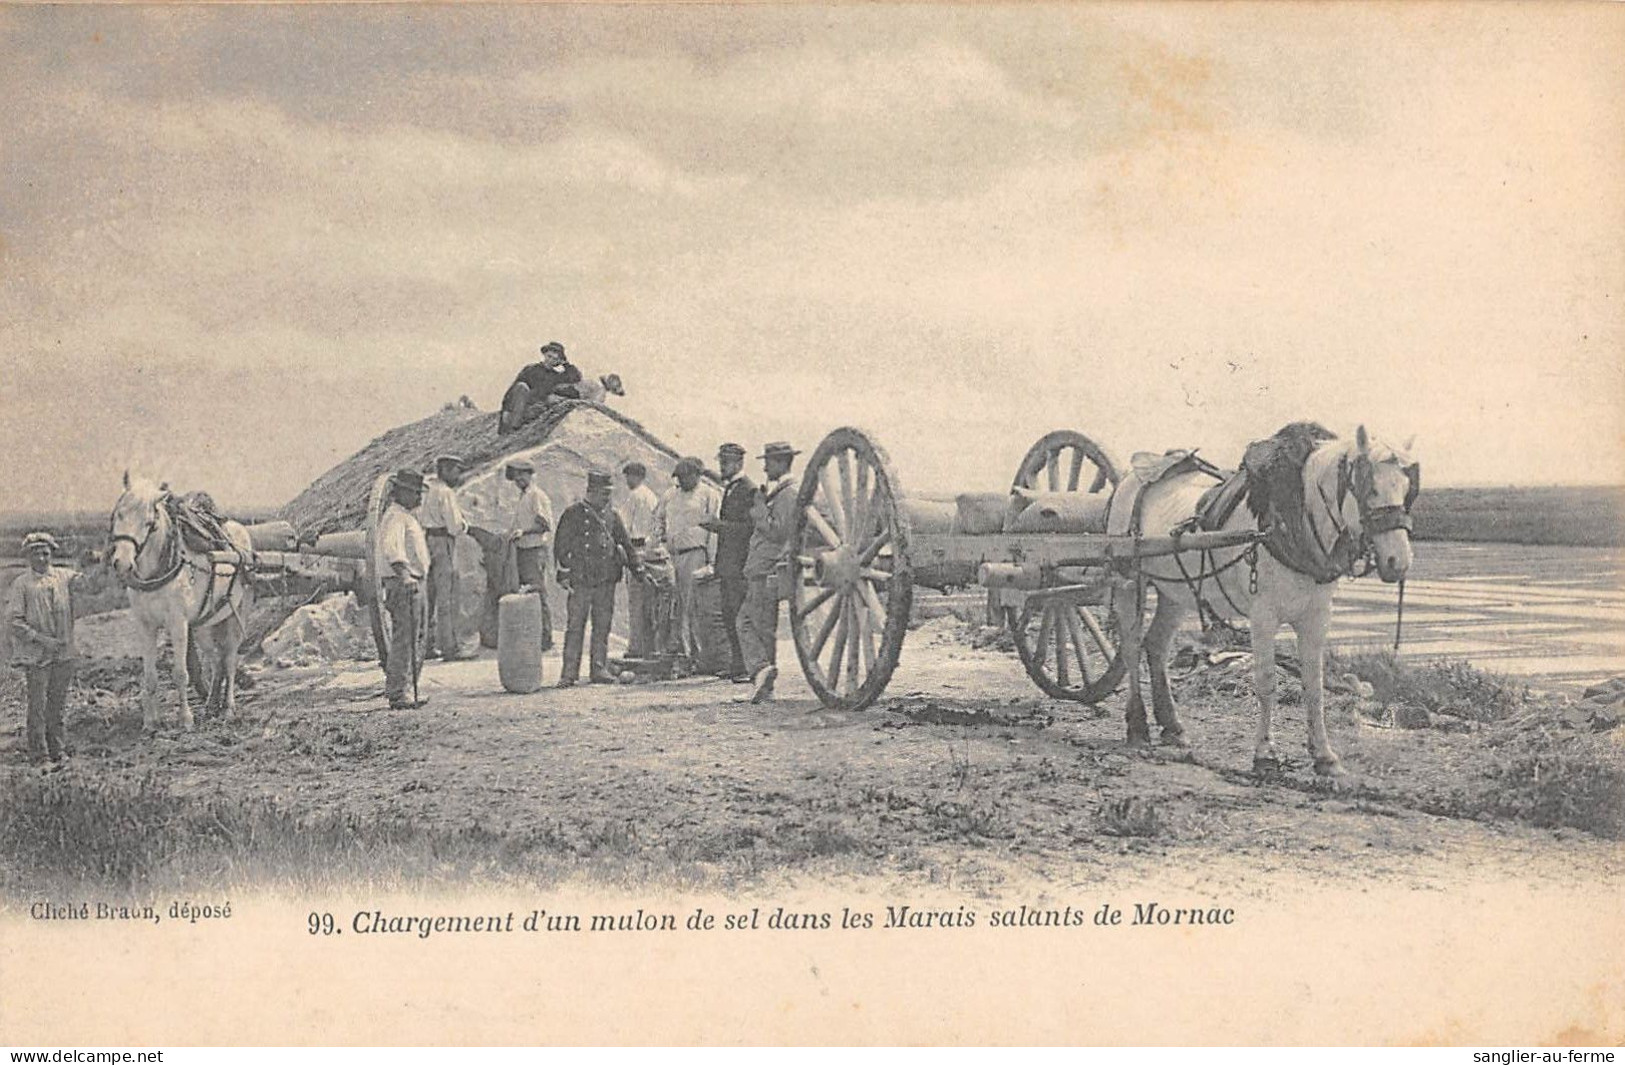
1355,508
192,595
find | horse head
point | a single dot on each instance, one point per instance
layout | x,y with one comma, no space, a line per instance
137,517
1384,483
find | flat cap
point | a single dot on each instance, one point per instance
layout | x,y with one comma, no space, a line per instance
730,448
599,479
451,460
41,538
521,466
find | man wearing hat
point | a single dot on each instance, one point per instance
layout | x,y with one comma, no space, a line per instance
733,527
772,515
39,613
533,386
591,548
531,526
686,512
638,515
405,550
443,522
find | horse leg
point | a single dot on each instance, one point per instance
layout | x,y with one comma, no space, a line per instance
1130,610
1311,632
149,678
179,640
230,639
1263,624
1159,637
204,664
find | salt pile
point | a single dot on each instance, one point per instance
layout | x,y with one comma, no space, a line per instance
333,630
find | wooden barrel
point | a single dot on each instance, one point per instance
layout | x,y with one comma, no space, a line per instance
519,642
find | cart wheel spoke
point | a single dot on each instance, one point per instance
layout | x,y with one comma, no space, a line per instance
816,601
1077,469
831,494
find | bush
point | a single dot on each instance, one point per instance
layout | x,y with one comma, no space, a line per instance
1438,686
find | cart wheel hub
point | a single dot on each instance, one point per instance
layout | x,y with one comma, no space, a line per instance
838,568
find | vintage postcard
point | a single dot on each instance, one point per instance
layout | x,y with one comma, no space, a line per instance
1056,523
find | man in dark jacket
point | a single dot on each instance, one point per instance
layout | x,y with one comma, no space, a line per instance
591,547
534,385
733,528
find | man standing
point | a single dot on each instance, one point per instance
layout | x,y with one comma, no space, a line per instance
772,515
684,518
443,523
733,528
39,613
405,551
531,526
534,385
591,548
638,515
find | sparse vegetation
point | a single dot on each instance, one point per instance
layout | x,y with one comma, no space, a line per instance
1437,686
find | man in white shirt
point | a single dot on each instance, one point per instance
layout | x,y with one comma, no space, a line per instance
405,551
684,518
532,532
638,515
39,614
443,522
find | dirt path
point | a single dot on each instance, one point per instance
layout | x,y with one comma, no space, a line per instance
965,779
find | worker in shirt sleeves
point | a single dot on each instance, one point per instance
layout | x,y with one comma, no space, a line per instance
733,527
683,519
772,515
638,515
535,385
39,613
443,522
531,527
405,550
592,547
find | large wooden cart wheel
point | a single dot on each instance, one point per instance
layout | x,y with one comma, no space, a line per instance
1068,641
383,625
852,583
1066,461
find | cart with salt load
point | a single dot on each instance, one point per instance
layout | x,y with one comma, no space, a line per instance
1043,553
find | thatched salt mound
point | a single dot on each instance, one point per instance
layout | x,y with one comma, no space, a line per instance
568,439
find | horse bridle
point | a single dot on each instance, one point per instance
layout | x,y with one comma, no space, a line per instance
170,570
1361,481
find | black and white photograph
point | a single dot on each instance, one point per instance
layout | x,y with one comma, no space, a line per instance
1069,523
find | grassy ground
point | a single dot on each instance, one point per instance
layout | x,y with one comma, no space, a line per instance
625,788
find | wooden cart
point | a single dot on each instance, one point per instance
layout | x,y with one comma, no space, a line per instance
862,545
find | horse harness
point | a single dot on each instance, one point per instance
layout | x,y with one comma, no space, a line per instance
230,570
1299,545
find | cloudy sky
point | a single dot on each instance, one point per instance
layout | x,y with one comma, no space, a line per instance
238,243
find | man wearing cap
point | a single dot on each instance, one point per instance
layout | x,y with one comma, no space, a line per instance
683,520
443,522
591,548
638,515
530,528
39,613
772,515
733,527
405,551
533,386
